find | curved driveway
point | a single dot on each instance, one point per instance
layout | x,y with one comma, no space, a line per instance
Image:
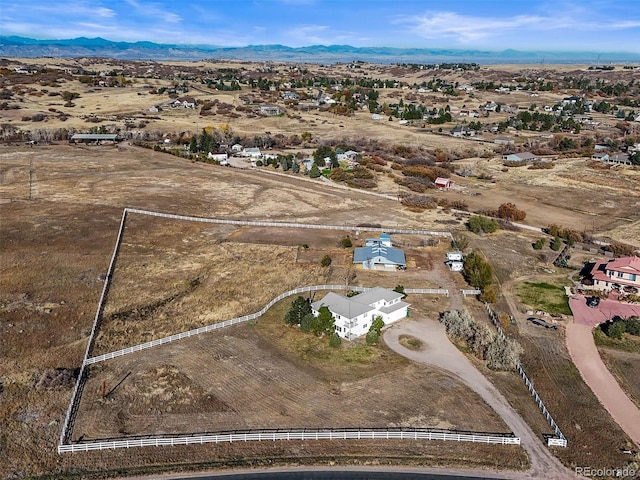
595,373
439,352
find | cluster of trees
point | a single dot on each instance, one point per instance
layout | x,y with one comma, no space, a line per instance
358,177
480,224
617,328
323,325
500,353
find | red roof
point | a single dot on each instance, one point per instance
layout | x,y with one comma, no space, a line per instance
625,264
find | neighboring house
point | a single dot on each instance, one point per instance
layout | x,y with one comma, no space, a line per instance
221,157
94,137
376,116
520,157
354,315
602,157
348,155
270,110
237,148
617,272
462,131
443,183
379,255
570,100
619,159
288,95
253,152
184,102
504,141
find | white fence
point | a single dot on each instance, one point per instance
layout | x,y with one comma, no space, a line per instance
290,224
432,291
560,439
337,434
243,319
77,392
471,292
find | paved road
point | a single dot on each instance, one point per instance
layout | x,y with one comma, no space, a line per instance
339,473
595,373
439,352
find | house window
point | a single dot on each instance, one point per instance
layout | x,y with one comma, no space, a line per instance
633,277
620,274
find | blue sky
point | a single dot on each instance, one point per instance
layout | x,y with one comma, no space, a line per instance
575,25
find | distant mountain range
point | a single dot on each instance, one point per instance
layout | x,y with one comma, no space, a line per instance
20,47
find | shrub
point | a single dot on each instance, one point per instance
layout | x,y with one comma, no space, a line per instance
400,289
539,244
556,244
346,242
377,325
616,329
509,211
480,224
488,295
326,261
372,337
334,340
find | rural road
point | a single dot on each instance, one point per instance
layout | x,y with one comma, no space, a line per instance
597,376
439,352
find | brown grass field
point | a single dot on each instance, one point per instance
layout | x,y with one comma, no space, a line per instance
60,207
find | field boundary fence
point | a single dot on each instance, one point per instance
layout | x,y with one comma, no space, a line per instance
297,434
87,361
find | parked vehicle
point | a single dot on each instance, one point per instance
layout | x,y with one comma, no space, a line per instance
593,302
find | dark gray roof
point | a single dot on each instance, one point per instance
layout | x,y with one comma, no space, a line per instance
94,136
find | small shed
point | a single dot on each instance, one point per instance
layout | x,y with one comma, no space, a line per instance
94,137
455,256
443,183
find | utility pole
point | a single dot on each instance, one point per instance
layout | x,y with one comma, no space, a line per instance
30,176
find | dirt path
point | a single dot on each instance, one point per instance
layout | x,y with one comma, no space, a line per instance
586,358
439,352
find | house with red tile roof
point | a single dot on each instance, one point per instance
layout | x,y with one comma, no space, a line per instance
616,273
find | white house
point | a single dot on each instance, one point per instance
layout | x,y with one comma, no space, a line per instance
354,315
253,152
220,157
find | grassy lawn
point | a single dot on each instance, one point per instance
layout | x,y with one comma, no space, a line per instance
544,296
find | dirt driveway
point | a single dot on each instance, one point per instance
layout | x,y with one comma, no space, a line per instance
439,352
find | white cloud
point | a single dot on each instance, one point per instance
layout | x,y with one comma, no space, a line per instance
308,34
467,29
